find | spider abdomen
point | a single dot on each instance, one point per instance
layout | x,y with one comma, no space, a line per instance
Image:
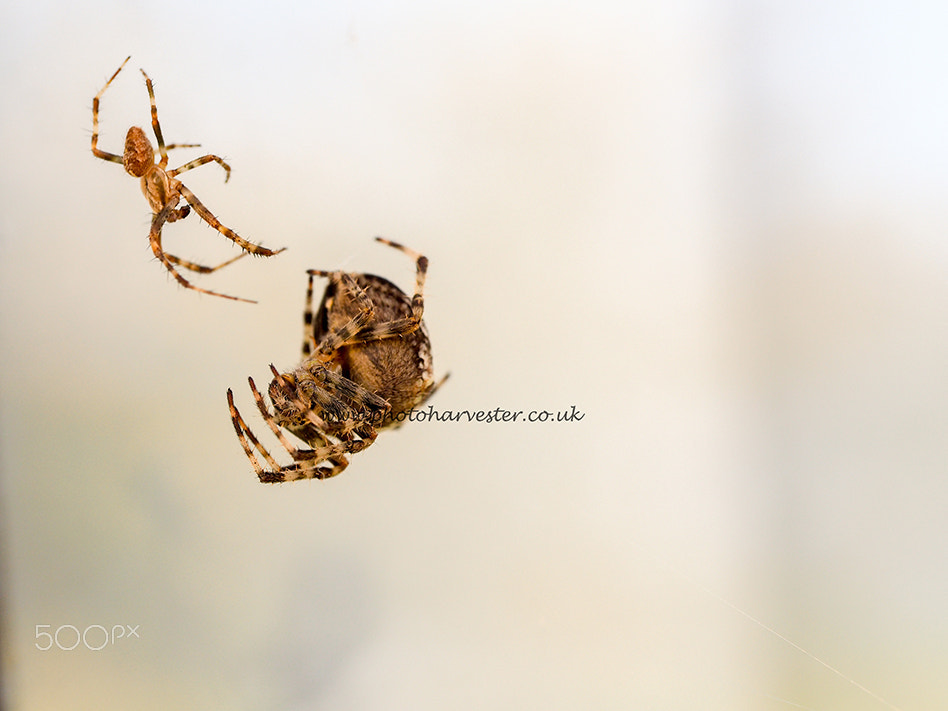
139,156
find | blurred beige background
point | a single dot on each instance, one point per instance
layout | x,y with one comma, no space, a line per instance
716,228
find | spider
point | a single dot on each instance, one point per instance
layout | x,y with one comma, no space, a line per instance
164,192
366,364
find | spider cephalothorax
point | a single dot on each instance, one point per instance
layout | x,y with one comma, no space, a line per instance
164,192
366,362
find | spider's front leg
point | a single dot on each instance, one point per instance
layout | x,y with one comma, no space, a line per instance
243,434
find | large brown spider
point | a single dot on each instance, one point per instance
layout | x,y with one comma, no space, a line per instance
164,192
366,364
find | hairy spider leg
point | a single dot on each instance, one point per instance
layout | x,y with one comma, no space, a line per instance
421,273
104,155
243,432
163,163
169,260
209,218
198,161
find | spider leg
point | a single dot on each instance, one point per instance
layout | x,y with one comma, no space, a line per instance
104,155
243,433
309,337
209,218
306,461
154,239
162,149
200,268
201,161
172,146
421,273
389,329
307,469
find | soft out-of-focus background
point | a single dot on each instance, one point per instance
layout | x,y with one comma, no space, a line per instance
717,229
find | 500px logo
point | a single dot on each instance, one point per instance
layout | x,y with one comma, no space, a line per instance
93,637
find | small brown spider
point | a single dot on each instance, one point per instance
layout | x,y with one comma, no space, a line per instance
164,192
366,364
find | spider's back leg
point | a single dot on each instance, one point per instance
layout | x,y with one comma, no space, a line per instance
210,219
